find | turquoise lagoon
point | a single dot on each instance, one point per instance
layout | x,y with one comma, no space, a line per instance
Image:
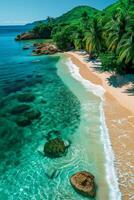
68,104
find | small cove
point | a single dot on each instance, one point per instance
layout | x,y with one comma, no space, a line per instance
65,106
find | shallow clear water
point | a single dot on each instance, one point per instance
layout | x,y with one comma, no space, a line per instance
65,106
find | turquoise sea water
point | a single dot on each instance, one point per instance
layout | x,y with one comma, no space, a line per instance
66,106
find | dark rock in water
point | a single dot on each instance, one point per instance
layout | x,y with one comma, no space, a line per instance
23,121
2,104
55,148
12,88
26,97
17,162
26,48
53,134
39,76
33,114
7,82
20,109
38,80
19,80
15,86
33,81
83,183
29,76
43,101
21,63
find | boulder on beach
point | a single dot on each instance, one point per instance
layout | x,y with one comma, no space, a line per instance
20,109
26,36
55,148
25,97
83,183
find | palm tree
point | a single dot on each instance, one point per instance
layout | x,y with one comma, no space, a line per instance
77,39
85,20
93,39
114,30
125,49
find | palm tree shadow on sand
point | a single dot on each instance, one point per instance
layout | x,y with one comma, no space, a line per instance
130,91
115,80
96,62
118,81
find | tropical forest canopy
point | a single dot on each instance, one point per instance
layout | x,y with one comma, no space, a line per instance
107,34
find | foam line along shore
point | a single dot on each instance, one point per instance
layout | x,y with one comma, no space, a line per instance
119,120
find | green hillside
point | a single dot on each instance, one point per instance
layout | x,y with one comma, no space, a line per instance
106,34
74,15
116,7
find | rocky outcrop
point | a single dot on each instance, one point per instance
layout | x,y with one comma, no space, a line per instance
55,148
26,36
83,183
45,48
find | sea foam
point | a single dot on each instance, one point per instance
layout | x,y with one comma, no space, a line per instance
111,174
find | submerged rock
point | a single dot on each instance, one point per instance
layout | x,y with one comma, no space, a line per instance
43,101
20,109
26,97
23,121
33,114
83,182
13,87
2,103
54,148
39,76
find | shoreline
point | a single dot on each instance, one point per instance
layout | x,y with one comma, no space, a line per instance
119,120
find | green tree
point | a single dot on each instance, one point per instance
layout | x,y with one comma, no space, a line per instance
85,20
77,39
42,30
114,30
93,39
125,49
63,38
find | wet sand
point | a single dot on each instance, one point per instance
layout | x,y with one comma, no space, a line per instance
119,113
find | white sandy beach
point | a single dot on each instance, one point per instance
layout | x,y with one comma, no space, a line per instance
119,113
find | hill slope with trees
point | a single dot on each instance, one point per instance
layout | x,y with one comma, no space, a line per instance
107,34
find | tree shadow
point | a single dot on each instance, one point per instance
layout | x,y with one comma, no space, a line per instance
96,64
118,81
130,91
